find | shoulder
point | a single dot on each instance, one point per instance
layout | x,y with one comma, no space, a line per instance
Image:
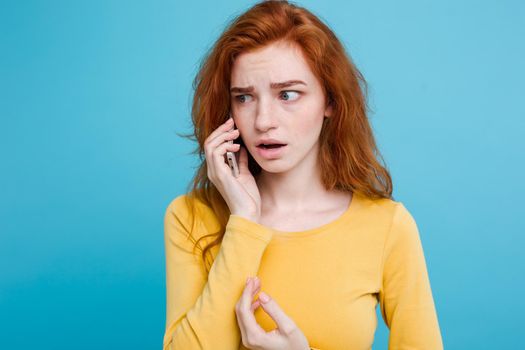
185,205
389,218
191,214
178,209
180,205
382,211
399,228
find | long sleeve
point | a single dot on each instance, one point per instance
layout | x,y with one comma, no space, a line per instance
406,300
200,309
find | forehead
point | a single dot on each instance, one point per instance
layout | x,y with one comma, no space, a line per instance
275,62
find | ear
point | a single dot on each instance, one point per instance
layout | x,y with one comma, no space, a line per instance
328,110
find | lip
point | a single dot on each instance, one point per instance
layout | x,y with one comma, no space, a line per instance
271,153
270,142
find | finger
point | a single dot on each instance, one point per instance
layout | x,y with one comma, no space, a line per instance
245,312
227,125
273,309
238,313
243,160
218,155
255,305
226,137
221,149
256,289
256,285
221,137
242,327
248,293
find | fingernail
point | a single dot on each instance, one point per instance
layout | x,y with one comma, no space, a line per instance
229,120
248,280
264,297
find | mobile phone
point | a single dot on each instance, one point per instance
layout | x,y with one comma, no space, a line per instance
230,156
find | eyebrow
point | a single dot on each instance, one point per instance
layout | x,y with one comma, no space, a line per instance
272,85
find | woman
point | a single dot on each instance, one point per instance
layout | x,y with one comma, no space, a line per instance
310,217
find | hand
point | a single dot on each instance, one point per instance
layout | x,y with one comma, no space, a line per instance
241,194
287,336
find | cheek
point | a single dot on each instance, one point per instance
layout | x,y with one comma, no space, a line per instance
238,119
312,111
309,129
304,132
244,130
243,110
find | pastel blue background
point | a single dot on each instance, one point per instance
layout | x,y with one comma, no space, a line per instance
93,93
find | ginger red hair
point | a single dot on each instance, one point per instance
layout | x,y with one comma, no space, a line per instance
348,156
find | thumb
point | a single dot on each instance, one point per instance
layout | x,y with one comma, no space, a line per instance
243,159
273,309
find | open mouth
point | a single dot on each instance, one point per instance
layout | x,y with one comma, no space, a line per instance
271,151
271,146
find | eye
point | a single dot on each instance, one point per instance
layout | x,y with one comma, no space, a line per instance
241,98
290,95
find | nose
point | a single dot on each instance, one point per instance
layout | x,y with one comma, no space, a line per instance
265,116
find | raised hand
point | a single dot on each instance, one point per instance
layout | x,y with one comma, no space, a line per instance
287,336
241,194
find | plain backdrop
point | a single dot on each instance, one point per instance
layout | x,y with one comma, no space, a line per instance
94,92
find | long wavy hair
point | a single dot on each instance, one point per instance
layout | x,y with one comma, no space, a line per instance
348,154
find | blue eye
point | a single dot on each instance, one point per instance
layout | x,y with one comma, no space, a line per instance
241,98
289,95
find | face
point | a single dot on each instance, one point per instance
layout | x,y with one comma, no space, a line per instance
275,95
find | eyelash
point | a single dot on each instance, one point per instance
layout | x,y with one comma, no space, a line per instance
239,96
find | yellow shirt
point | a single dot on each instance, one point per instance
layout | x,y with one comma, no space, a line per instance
329,279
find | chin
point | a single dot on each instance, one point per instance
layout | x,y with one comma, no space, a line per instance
273,166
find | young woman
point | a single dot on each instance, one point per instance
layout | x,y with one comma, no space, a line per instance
310,216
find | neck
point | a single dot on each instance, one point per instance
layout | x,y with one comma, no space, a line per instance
295,190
